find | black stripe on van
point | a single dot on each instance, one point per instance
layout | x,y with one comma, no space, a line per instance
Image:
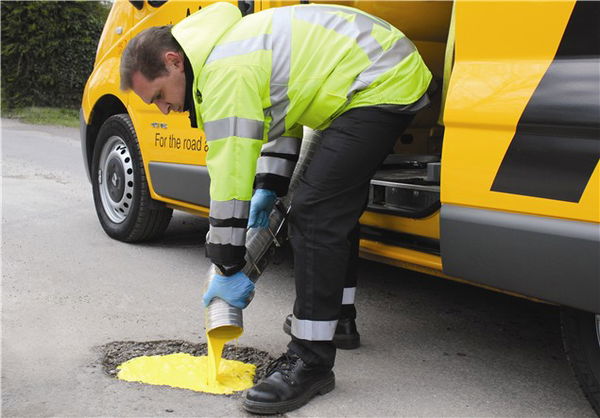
557,142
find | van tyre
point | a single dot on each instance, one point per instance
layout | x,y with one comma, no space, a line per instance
581,338
123,204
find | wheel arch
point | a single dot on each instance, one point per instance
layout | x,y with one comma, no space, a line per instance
107,106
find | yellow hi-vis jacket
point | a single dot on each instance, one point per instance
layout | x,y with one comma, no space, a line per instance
259,79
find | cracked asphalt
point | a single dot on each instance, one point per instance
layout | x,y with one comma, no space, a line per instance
430,347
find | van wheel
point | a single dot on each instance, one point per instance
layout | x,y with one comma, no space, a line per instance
121,195
581,337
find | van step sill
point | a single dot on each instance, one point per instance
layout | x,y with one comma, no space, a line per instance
408,186
404,192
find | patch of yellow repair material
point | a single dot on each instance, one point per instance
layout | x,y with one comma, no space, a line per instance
185,371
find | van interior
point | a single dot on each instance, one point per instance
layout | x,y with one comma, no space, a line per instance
408,182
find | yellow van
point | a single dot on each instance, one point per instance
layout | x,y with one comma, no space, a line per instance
496,184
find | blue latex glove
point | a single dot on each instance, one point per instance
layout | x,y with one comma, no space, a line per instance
261,206
235,289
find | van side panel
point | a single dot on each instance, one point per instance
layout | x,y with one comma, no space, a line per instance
505,53
557,143
520,184
552,259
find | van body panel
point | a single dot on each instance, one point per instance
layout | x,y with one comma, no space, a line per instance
494,78
552,259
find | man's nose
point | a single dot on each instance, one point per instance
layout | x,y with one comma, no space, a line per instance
163,107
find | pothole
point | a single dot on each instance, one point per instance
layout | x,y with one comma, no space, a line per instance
118,352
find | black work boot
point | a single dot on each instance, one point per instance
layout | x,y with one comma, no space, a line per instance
346,336
290,384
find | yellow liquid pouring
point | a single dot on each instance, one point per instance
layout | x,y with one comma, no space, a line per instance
210,373
216,341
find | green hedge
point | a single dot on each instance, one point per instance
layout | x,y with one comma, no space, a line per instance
48,50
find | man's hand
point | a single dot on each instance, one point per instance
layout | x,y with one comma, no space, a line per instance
235,290
261,206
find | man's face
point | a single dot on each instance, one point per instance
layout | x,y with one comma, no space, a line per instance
166,92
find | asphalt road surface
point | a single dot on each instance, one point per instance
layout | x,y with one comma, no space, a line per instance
430,347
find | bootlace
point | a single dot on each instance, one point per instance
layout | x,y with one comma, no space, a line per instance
284,364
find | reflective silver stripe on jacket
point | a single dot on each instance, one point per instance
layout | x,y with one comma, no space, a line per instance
283,145
275,165
229,209
359,30
313,330
226,235
349,293
280,69
233,126
401,49
358,13
244,46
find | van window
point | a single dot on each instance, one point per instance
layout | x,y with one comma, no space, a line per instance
138,4
156,3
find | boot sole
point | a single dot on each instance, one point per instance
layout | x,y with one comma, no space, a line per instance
343,342
263,408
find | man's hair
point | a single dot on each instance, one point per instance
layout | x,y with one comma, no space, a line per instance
144,53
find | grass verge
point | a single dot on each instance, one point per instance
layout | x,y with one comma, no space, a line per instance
44,116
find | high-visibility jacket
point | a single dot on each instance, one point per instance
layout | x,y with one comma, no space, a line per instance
259,79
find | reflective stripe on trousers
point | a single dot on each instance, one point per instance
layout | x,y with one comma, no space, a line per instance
313,330
349,293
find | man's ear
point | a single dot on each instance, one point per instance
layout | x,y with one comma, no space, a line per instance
174,59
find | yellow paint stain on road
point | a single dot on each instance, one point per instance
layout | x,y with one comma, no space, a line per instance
181,370
185,371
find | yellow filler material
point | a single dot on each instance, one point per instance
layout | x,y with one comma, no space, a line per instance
185,371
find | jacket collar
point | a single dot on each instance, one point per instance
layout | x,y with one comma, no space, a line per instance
188,104
199,33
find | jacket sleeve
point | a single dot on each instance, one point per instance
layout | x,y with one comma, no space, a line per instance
233,122
277,161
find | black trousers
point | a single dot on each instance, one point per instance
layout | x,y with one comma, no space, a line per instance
327,204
